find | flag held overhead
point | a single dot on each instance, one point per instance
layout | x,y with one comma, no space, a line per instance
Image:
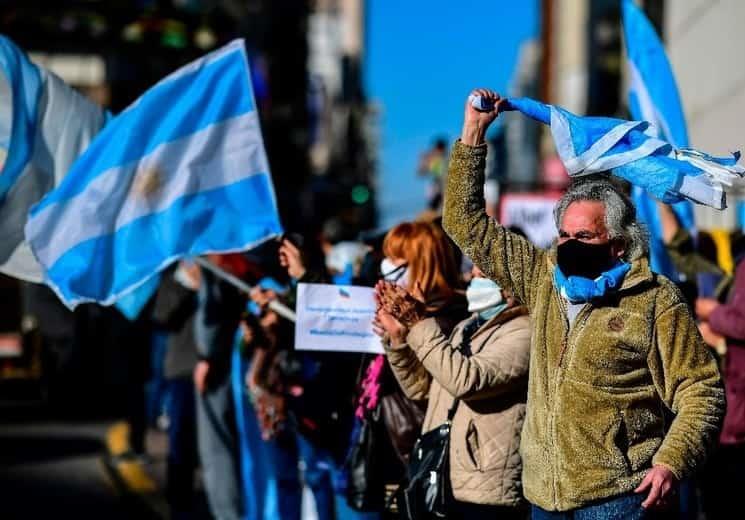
632,151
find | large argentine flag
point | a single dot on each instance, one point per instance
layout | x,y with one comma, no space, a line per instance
631,150
44,127
653,97
181,172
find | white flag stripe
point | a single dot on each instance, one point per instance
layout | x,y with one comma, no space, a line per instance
648,109
229,149
67,123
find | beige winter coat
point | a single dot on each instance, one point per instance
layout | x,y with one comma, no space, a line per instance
491,383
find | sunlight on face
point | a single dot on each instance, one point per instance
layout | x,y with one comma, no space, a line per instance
585,221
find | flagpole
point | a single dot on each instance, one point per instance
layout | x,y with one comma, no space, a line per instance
280,308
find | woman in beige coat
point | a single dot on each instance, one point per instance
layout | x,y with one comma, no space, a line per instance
484,364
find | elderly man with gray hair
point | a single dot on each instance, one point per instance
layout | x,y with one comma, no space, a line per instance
624,399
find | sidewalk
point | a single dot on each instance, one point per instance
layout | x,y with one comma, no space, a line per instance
143,481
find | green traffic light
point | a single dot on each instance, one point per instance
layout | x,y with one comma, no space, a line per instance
360,194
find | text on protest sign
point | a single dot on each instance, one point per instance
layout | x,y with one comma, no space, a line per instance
336,318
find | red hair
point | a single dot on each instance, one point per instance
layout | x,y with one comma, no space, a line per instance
430,258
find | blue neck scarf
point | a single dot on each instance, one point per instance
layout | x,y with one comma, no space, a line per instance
578,289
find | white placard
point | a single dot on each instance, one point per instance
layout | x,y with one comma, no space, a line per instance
336,318
533,213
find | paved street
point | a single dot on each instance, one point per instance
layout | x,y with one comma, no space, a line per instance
53,469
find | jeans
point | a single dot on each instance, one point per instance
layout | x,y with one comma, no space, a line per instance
322,475
157,389
218,451
624,507
182,445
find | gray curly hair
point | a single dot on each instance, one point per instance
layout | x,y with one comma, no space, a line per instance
620,213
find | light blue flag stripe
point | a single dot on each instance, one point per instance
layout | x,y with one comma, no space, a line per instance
654,97
231,218
132,303
213,84
173,170
200,184
24,85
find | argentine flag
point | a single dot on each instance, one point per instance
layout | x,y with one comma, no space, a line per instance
44,126
181,172
653,97
632,151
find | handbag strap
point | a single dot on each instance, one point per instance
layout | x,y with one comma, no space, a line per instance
464,349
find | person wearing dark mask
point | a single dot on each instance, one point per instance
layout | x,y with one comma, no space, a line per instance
614,345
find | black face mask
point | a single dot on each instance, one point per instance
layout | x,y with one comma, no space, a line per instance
577,258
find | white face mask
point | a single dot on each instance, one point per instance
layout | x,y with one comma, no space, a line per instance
483,294
393,273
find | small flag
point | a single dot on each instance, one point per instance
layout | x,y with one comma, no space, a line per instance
181,172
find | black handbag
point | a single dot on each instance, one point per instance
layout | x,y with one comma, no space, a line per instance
364,465
427,493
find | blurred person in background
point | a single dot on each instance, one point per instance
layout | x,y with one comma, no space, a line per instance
614,344
723,328
174,311
483,364
268,433
314,390
219,306
433,164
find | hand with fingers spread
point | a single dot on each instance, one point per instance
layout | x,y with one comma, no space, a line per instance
660,482
399,303
476,122
291,258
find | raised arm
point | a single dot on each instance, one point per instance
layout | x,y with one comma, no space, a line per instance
509,259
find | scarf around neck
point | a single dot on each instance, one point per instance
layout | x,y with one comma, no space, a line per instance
578,289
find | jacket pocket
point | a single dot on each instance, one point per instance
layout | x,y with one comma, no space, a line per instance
643,431
473,449
467,447
621,441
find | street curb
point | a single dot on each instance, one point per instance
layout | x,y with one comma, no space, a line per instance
130,477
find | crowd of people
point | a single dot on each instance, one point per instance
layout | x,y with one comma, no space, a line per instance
567,383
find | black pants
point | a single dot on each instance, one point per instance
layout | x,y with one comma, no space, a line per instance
468,511
723,481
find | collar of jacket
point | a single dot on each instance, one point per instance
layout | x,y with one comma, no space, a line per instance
639,273
503,317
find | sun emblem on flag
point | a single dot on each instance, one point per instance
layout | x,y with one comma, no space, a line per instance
147,182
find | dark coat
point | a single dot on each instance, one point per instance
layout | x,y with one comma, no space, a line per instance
729,321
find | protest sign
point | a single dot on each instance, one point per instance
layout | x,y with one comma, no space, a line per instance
533,213
336,318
